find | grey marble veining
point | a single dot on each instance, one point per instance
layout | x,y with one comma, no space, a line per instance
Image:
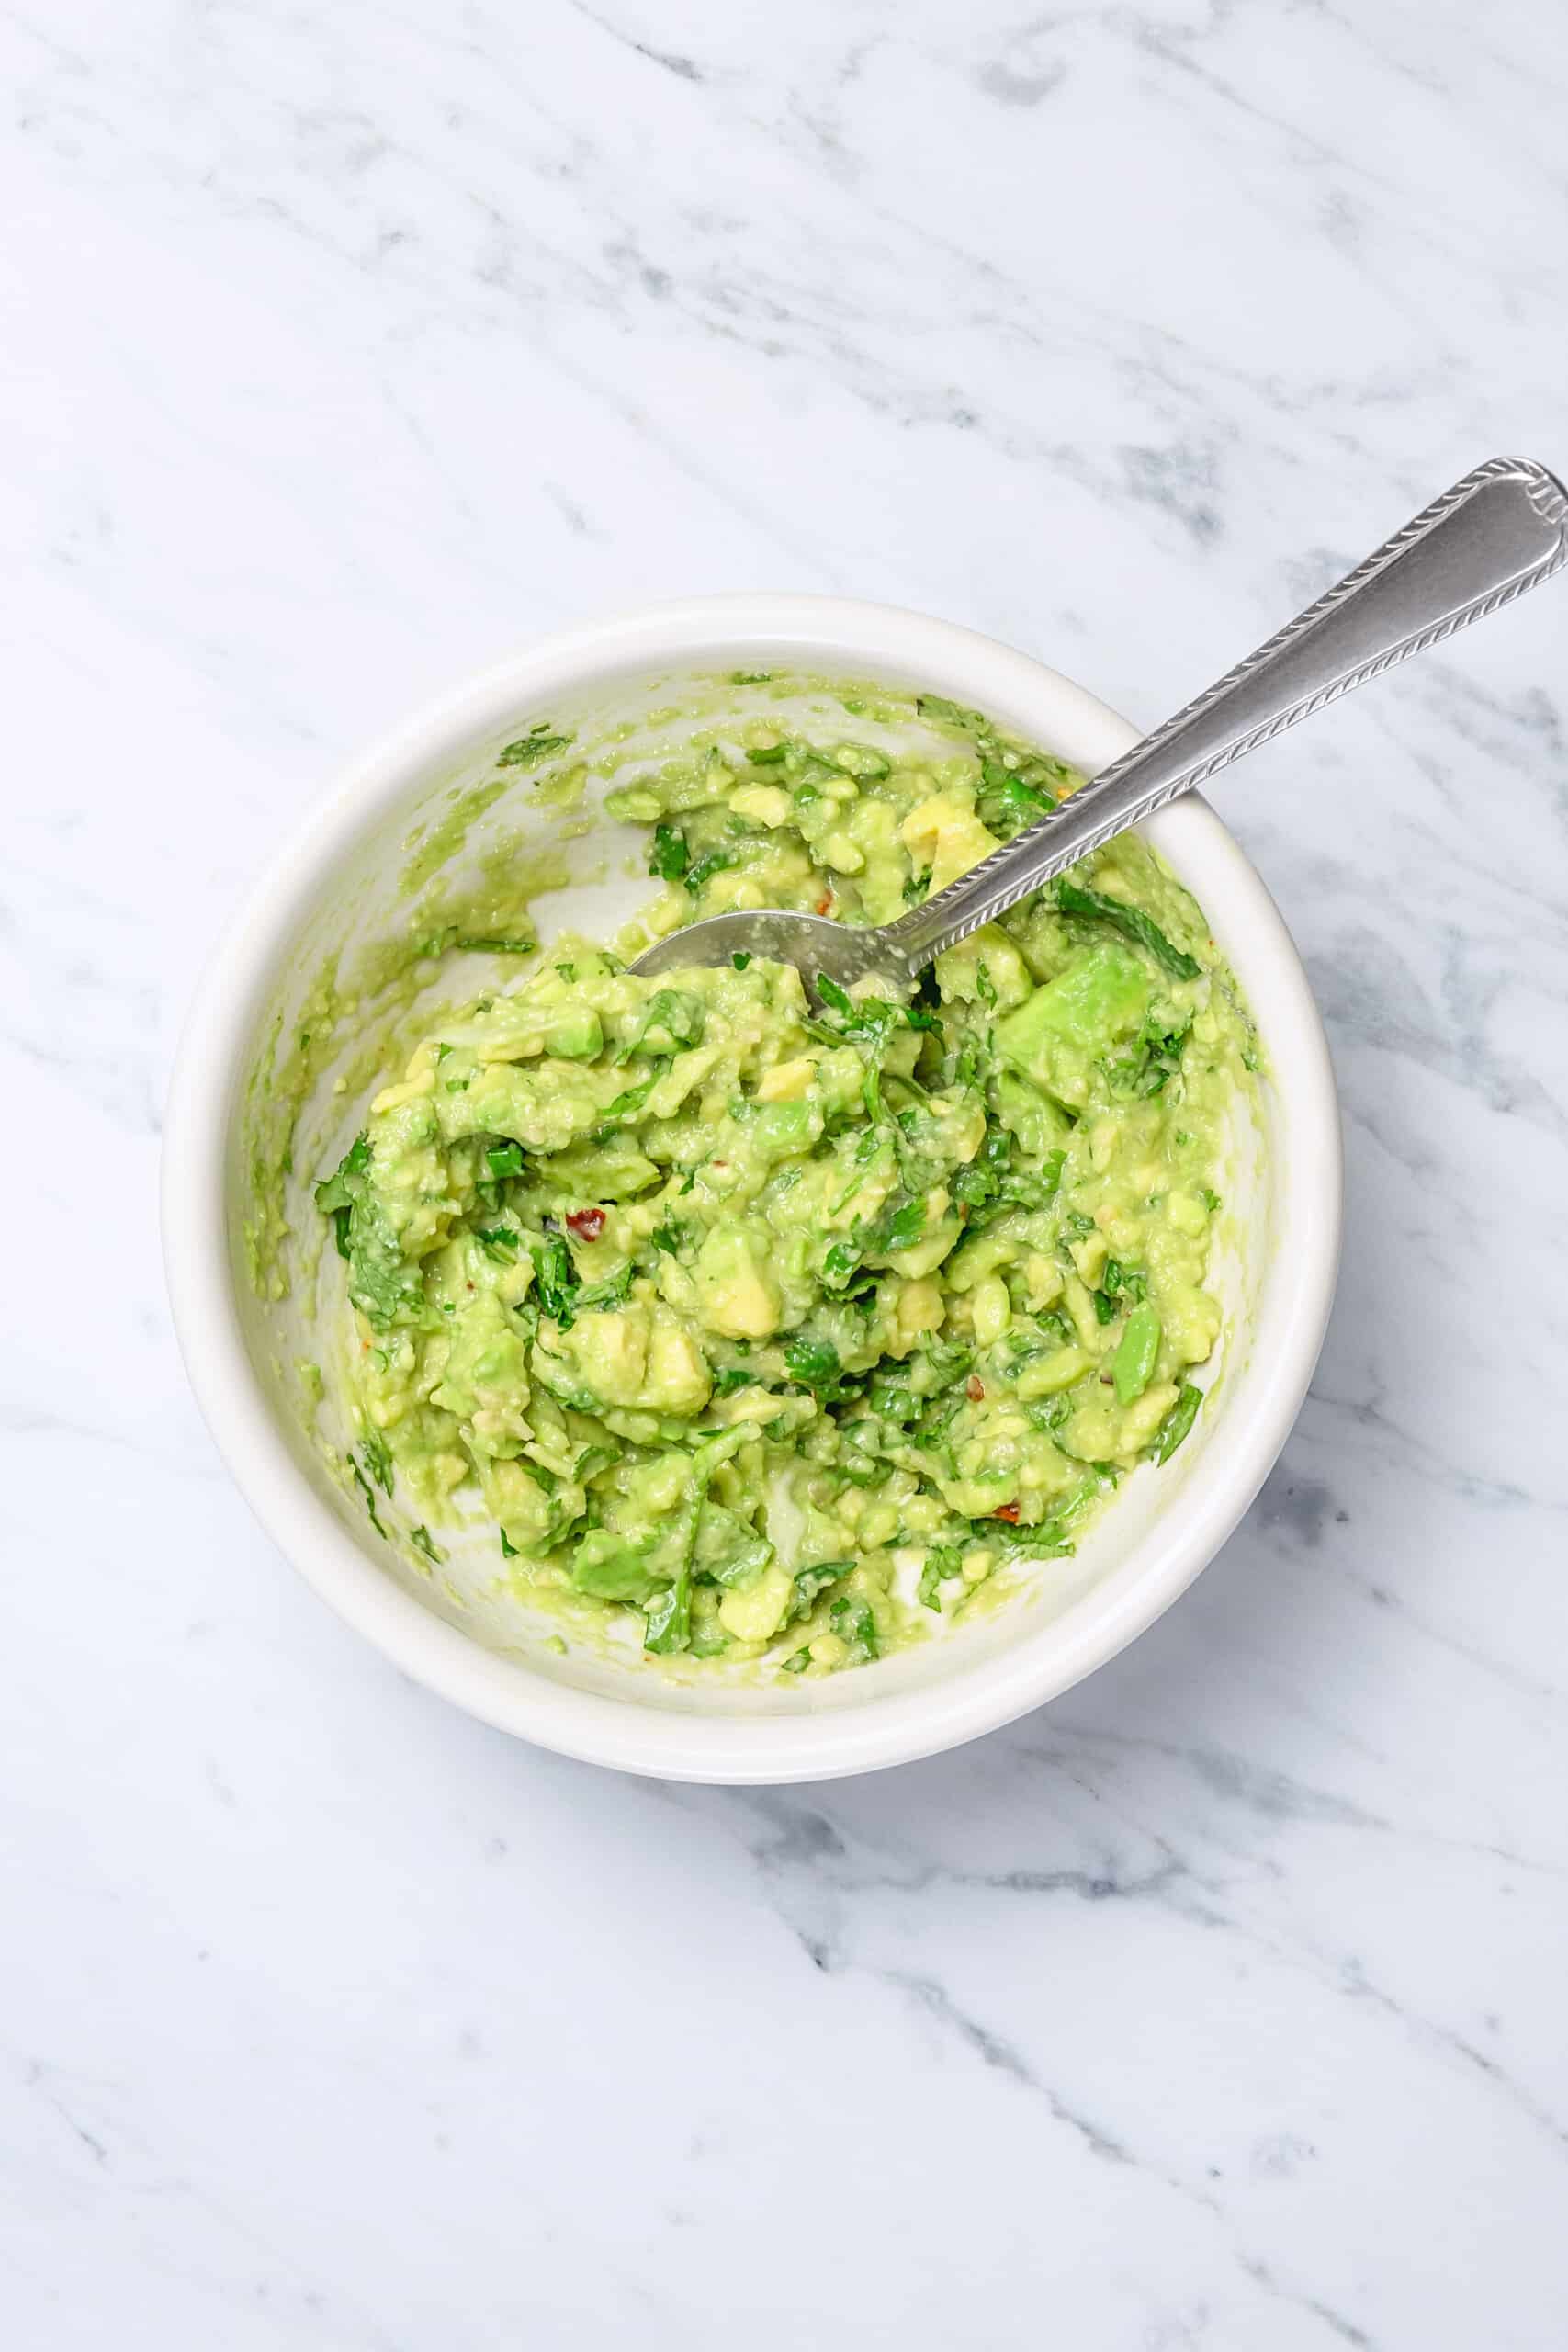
1218,2005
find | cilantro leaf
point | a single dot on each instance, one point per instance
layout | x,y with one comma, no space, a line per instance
1118,1281
853,1623
942,1562
811,1583
814,1364
1177,1422
363,1483
900,1226
699,875
382,1282
1089,906
840,1263
498,1241
955,713
633,1099
680,1015
530,749
555,1280
669,1625
669,856
1007,801
610,1293
377,1459
338,1195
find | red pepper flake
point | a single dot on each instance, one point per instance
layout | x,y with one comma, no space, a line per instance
824,902
1008,1511
974,1388
586,1223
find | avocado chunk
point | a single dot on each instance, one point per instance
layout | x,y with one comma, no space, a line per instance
1055,1036
737,1294
576,1034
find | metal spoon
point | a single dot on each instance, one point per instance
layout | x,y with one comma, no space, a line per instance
1501,530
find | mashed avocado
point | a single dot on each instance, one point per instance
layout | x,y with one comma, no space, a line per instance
788,1331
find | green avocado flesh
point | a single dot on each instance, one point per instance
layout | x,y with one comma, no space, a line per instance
763,1334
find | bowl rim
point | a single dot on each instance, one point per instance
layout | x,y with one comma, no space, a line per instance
204,1097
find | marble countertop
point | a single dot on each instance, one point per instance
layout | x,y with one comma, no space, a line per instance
1220,2004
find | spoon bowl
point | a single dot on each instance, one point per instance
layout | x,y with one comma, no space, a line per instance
817,946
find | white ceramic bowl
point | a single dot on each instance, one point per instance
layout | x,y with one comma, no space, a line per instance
1145,1549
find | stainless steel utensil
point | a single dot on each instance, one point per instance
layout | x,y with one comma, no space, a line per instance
1501,530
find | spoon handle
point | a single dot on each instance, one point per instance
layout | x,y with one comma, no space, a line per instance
1501,530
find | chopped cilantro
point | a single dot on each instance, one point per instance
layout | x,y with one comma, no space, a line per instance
1177,1422
610,1293
943,1561
363,1483
530,749
1090,906
840,1263
633,1099
674,1018
555,1280
854,1624
377,1459
1007,801
669,856
813,1364
899,1228
811,1583
498,1241
700,875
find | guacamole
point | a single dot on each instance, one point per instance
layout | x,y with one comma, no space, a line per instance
766,1330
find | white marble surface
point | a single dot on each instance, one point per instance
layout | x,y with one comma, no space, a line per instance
1219,2005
